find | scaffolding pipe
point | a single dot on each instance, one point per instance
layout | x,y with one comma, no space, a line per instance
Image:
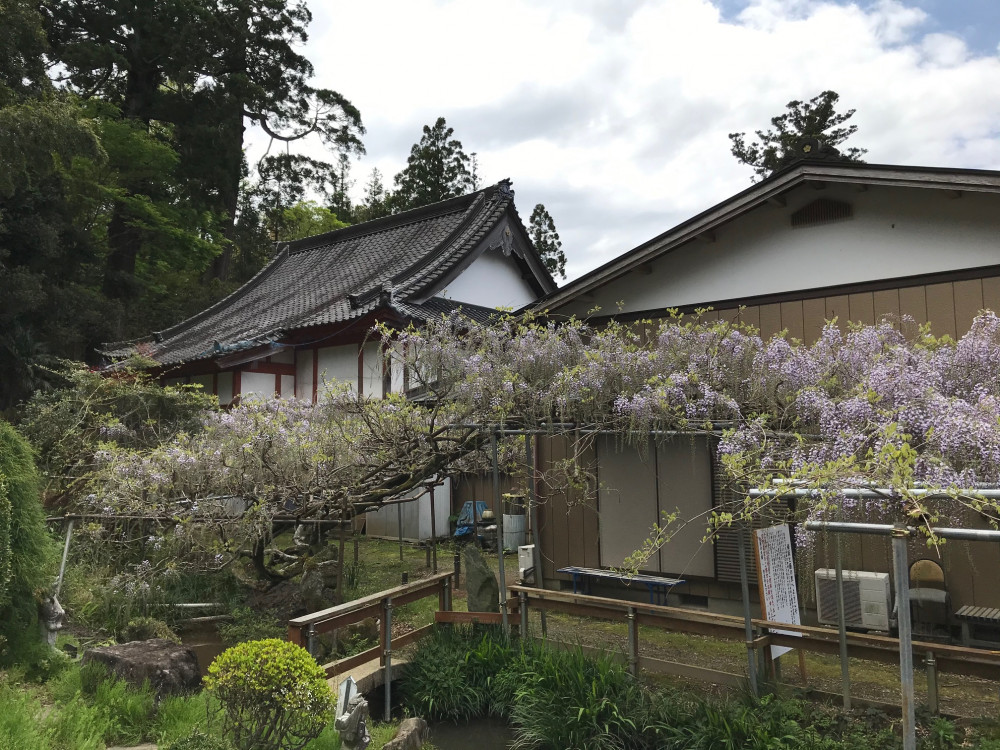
434,540
878,493
845,669
747,615
65,555
498,509
536,539
885,529
900,534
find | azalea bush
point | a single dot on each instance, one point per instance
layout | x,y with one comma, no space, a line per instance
274,696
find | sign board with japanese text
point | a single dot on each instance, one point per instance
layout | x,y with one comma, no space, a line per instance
779,599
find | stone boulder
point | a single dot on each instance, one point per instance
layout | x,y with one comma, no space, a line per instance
411,735
481,585
319,585
170,669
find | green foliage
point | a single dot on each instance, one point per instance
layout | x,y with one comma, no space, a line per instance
145,628
542,230
437,169
438,683
91,412
180,715
274,696
567,700
251,625
128,711
26,552
305,219
198,740
377,201
816,118
19,725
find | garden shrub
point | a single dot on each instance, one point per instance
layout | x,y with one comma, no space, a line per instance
273,695
26,552
451,675
250,625
568,700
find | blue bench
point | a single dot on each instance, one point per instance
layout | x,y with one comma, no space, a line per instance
658,586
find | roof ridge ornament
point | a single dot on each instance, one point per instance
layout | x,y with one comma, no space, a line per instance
813,149
387,294
505,191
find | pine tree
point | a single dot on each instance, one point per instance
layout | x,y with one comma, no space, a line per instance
816,118
437,169
542,230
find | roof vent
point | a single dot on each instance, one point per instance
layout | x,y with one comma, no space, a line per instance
822,211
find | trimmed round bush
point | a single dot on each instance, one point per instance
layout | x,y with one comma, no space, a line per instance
273,694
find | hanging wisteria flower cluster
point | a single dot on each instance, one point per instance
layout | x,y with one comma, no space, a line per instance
886,405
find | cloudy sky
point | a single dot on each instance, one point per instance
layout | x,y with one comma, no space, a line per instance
615,113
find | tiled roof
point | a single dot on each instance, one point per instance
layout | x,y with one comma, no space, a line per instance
342,275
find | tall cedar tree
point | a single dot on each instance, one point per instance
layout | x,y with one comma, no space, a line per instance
816,118
199,70
436,170
47,248
377,201
542,230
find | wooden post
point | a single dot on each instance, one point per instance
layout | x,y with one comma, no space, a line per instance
523,601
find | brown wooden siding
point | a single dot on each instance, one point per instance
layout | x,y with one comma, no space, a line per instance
567,523
478,487
569,534
949,306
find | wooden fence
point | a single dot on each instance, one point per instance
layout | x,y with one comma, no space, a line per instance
938,657
303,630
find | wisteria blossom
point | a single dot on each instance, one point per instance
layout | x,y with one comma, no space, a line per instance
888,405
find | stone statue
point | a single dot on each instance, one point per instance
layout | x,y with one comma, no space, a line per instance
50,618
353,724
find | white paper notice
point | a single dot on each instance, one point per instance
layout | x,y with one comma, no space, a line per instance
778,595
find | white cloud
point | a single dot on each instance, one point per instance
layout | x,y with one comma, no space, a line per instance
615,115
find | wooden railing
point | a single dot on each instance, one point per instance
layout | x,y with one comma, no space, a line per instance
938,657
303,630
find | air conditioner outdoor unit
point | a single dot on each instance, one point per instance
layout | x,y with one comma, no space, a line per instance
867,598
526,563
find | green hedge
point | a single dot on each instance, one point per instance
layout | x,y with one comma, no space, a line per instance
26,551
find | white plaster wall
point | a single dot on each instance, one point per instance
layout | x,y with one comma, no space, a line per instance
372,367
288,386
225,387
257,383
894,232
339,364
283,358
304,374
396,371
492,280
